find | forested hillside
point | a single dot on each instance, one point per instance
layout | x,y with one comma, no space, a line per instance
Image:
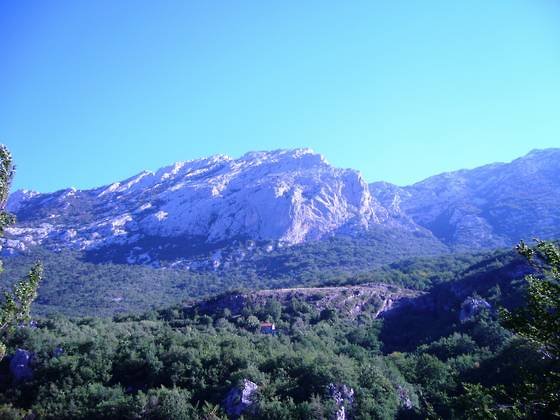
211,359
72,286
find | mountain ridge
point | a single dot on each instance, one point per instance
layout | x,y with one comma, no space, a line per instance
532,152
288,197
490,206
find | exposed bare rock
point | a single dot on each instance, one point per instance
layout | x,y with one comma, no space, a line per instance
348,300
490,206
404,398
343,397
20,366
240,399
472,306
287,196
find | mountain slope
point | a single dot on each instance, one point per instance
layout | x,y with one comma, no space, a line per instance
491,206
285,196
212,212
75,286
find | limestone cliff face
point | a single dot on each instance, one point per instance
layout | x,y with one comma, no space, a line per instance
289,196
491,206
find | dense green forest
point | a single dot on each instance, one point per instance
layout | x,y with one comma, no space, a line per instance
436,358
74,287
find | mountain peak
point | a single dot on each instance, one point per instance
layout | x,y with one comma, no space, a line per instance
282,195
284,154
289,196
16,199
542,152
490,206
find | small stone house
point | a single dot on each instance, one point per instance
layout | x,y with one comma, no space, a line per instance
268,328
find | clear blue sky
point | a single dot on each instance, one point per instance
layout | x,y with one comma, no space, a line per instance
92,92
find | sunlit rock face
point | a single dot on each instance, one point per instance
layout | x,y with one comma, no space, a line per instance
490,206
241,399
289,196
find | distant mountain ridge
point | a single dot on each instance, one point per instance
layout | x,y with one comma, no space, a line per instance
491,206
288,197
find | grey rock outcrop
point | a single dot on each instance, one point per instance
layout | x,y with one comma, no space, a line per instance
404,398
471,307
20,366
347,300
288,196
240,399
343,397
490,206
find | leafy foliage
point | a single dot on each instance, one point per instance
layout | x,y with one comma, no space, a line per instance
181,363
16,305
107,289
539,323
539,320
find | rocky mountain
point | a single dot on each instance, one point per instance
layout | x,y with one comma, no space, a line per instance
266,200
491,206
285,197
